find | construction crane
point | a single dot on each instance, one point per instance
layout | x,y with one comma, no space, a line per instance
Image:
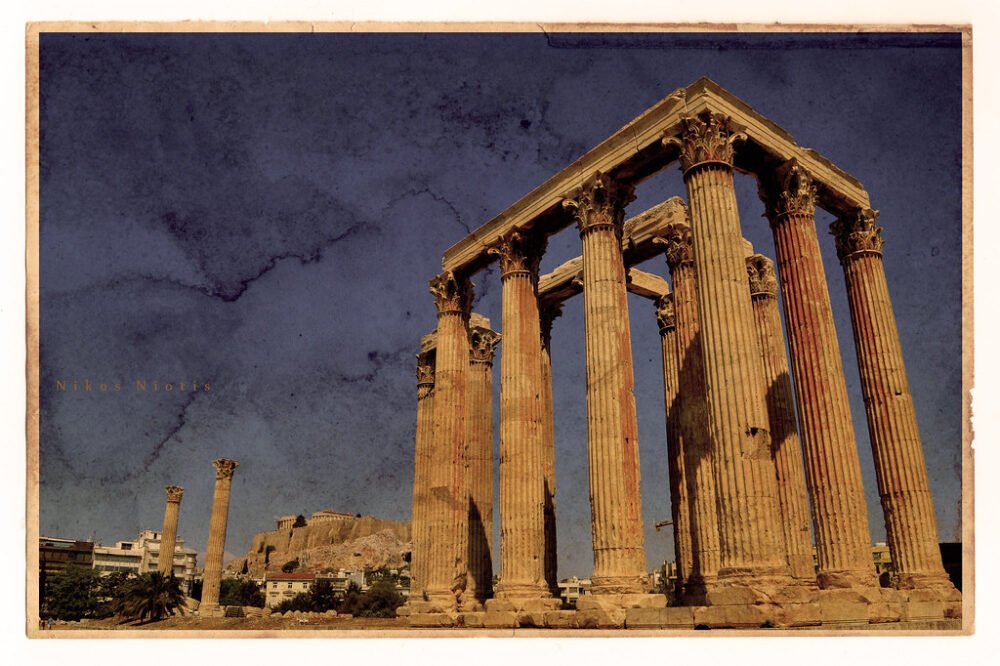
663,523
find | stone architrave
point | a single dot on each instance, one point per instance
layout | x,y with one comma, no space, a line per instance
680,508
745,480
612,430
910,523
833,470
692,417
522,439
448,497
419,560
479,458
548,315
168,537
785,447
212,579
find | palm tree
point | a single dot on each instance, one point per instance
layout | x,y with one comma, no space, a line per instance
151,595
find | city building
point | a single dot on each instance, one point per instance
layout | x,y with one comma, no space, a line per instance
571,589
142,555
340,579
281,586
55,554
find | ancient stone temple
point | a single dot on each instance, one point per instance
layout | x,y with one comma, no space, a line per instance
763,461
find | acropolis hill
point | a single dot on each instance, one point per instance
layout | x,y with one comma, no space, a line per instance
352,543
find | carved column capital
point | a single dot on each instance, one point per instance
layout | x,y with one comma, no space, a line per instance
452,294
704,139
482,344
789,190
600,203
174,494
548,313
665,313
677,244
425,369
857,233
763,280
224,468
520,253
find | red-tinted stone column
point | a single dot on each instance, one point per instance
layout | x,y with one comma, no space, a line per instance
680,509
612,430
786,449
833,471
168,538
548,315
910,522
692,413
448,505
745,483
212,578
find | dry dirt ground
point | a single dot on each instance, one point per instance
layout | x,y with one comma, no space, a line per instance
189,623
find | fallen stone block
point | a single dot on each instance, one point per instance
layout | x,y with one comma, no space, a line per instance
430,620
560,619
499,619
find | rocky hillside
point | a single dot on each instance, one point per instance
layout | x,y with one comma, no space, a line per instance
351,544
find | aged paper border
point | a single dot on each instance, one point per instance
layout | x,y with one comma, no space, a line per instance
32,371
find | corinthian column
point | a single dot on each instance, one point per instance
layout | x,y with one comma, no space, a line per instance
745,484
792,494
691,414
168,537
224,469
522,475
680,509
421,473
612,431
548,315
833,472
910,524
479,458
448,506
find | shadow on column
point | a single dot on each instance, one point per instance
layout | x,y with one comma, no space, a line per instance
480,557
550,541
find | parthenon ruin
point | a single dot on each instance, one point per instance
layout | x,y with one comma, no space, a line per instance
752,462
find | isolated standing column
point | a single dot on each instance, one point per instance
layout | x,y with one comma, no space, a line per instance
168,537
910,523
612,430
224,469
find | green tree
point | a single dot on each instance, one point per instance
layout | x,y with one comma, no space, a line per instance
149,596
237,592
381,600
290,566
196,588
71,594
302,601
300,521
351,601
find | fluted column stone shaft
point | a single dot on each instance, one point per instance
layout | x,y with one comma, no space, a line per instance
522,474
833,470
479,461
612,431
168,537
692,411
793,495
448,506
680,510
419,559
745,480
212,577
900,469
548,315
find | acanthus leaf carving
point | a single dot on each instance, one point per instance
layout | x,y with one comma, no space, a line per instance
600,203
789,191
677,243
224,468
665,315
761,275
547,314
425,369
519,252
174,493
482,344
705,139
452,293
857,233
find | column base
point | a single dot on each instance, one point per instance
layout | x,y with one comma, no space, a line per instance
435,602
926,581
850,578
600,585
